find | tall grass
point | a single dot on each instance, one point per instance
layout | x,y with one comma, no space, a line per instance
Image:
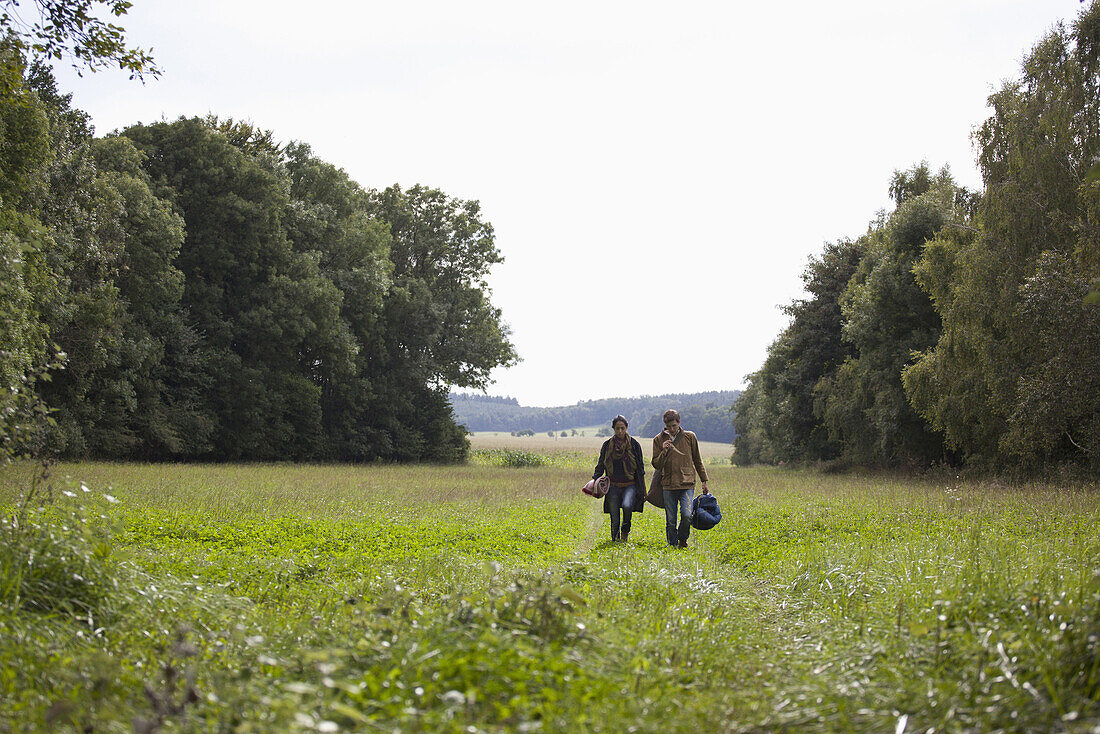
332,598
521,458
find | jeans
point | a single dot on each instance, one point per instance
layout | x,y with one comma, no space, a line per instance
681,497
621,497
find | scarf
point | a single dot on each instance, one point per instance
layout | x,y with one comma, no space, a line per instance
620,451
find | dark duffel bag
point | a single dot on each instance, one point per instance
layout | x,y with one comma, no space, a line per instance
704,512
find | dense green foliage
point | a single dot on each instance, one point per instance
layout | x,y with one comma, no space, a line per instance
212,294
775,416
491,413
306,598
960,328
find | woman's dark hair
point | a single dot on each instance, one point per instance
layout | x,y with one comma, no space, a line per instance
618,418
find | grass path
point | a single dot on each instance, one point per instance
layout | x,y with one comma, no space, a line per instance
668,610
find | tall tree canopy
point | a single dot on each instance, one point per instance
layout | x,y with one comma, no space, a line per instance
25,156
972,320
42,30
1012,379
886,318
218,295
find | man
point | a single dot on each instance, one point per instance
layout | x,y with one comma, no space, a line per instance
676,456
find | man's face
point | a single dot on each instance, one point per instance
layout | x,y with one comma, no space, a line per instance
672,426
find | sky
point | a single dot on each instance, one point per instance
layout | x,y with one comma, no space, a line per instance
658,175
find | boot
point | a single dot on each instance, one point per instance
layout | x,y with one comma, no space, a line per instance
626,534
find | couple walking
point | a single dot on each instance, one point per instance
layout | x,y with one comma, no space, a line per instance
675,456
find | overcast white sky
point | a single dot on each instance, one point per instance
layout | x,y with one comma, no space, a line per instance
657,174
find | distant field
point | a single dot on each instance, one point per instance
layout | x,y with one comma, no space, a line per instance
280,597
710,450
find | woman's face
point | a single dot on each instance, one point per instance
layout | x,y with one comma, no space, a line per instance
620,429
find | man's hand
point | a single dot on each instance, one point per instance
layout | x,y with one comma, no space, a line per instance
666,445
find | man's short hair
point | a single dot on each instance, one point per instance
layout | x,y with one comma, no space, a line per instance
671,415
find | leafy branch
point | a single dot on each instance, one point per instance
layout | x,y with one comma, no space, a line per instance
58,29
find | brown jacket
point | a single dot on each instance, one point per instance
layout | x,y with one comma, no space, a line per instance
682,463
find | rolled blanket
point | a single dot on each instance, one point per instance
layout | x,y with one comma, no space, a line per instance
597,487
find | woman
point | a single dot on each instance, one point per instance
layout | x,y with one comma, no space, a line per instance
621,459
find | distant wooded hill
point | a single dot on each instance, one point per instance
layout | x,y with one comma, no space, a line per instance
706,413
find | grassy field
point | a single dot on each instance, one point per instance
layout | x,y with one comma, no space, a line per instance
490,598
589,444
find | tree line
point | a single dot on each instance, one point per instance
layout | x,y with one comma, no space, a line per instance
706,413
196,290
710,421
963,327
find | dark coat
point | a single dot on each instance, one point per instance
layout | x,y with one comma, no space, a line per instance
639,476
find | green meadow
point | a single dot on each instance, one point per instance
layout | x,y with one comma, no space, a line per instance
489,598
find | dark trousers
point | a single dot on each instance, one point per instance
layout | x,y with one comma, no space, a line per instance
621,498
678,501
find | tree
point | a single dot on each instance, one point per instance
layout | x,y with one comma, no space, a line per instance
269,318
24,279
438,327
159,353
330,221
71,29
224,296
993,381
80,211
1057,410
775,418
28,282
887,318
441,252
